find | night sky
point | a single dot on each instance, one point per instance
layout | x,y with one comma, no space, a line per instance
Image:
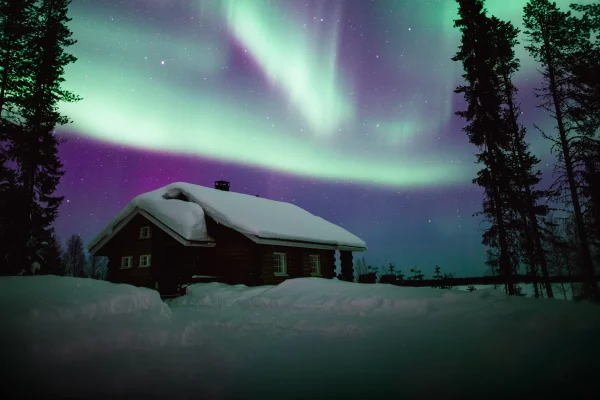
345,108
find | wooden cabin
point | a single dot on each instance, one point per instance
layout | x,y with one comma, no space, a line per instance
182,233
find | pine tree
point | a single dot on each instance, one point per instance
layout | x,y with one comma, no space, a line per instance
485,128
15,68
34,150
436,272
556,39
390,276
585,69
524,197
16,21
416,274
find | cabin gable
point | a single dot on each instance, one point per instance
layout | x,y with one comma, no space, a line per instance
138,240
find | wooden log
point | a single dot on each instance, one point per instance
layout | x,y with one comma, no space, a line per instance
347,266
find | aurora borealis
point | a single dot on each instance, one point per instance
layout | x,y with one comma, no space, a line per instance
345,107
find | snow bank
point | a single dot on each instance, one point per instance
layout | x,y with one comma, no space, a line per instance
58,298
313,294
67,318
305,338
323,298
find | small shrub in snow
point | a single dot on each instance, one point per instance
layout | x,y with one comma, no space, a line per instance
370,277
416,274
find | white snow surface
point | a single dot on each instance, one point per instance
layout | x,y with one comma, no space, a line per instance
247,214
305,338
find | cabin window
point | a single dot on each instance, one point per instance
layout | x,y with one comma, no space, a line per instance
279,264
145,260
315,264
126,262
145,232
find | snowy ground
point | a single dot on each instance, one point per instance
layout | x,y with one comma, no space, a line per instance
306,338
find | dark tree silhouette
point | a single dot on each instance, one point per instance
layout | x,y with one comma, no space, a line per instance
32,145
436,272
584,68
416,274
485,129
556,41
524,199
74,257
15,67
16,21
52,257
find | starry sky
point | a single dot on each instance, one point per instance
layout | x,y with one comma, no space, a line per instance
343,107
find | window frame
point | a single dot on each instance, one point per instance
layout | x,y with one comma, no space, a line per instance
283,257
130,263
149,235
149,262
316,257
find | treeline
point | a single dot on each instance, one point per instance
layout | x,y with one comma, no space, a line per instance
33,40
71,260
567,285
523,231
365,273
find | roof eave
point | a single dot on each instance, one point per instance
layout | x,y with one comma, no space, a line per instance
303,244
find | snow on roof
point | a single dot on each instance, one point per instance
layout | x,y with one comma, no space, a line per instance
265,218
256,217
186,219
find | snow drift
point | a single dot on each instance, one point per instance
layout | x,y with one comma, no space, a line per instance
57,298
304,338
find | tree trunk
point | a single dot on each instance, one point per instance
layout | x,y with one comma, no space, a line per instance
564,290
530,252
505,265
4,82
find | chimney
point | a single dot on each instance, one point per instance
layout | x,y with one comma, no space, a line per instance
222,185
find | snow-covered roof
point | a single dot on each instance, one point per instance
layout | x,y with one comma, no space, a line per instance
181,208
